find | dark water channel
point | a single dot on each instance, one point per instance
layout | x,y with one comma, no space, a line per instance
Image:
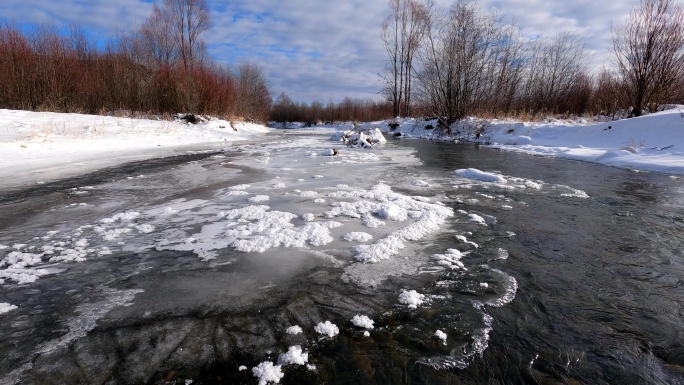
599,287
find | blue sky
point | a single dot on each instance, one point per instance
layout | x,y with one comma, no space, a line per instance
317,49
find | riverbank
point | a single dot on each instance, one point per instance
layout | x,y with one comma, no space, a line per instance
37,147
653,142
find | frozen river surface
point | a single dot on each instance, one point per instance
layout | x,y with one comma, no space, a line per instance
272,262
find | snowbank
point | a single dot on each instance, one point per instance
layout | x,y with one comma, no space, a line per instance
39,146
653,142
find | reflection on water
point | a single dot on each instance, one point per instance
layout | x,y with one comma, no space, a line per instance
529,282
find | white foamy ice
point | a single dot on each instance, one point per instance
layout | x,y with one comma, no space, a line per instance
451,259
308,217
411,298
362,321
357,236
121,217
380,200
258,198
441,335
6,307
266,372
465,240
327,328
239,187
17,267
294,355
476,219
294,330
420,183
475,174
252,229
241,368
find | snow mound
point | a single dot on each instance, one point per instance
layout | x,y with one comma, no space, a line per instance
327,328
362,321
357,236
294,330
294,356
441,335
267,373
411,298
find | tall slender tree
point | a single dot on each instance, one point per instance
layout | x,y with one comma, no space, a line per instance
189,19
402,32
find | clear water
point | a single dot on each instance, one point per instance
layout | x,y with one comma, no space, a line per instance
561,288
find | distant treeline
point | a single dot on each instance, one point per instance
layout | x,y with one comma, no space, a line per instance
157,68
286,110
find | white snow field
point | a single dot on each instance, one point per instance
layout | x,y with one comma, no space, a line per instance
40,146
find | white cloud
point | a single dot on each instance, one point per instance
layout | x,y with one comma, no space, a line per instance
318,50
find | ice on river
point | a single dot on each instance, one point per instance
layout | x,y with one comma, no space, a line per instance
373,223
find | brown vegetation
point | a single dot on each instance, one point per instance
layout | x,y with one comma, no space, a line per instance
160,68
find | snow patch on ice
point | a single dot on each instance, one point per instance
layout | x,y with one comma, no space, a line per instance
294,356
411,298
482,176
451,259
327,328
258,198
294,330
266,372
362,321
6,307
441,335
357,236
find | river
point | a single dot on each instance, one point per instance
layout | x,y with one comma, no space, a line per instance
193,267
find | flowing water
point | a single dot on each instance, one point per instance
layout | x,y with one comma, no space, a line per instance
193,268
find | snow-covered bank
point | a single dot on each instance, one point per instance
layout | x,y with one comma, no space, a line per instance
651,143
39,146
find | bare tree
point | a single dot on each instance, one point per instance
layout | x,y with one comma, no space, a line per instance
648,52
402,32
189,19
467,59
253,95
553,69
158,40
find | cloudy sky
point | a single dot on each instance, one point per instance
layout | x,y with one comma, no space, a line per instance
317,49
